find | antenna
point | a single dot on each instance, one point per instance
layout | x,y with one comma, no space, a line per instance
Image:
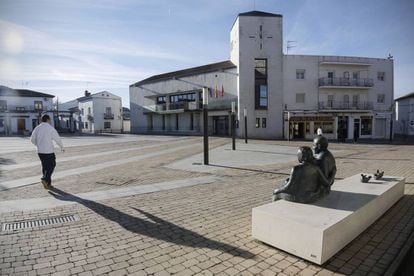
289,45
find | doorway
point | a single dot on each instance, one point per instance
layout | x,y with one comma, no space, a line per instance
342,128
356,129
21,125
298,130
221,125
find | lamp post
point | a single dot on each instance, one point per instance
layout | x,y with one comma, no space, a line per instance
233,124
245,125
205,124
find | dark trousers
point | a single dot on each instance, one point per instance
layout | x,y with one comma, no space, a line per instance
48,165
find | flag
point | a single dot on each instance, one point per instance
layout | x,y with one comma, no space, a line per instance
222,90
216,92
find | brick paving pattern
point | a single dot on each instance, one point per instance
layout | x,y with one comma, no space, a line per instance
198,230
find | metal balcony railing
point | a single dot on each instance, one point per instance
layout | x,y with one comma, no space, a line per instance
108,116
22,108
346,82
333,105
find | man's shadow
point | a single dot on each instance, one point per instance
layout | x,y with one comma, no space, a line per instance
156,228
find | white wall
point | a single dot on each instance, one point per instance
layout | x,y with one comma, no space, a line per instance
249,50
139,102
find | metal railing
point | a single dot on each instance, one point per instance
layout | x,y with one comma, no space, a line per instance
23,108
108,116
333,105
346,82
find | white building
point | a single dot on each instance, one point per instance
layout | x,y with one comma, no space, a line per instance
404,115
93,113
21,110
284,96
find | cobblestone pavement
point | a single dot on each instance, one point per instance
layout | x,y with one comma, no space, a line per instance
202,229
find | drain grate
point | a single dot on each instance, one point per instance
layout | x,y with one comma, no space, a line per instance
27,224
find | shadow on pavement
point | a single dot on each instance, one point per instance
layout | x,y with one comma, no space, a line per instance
245,169
156,228
5,161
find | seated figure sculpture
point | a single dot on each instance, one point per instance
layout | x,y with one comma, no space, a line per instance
307,182
324,160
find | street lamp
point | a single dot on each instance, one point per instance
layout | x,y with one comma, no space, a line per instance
245,125
205,124
233,124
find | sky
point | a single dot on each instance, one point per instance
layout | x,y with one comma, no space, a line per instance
66,47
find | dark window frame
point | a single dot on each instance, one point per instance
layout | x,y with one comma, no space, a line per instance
260,81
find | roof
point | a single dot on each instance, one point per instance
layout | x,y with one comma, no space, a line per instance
188,72
87,98
260,13
7,91
406,96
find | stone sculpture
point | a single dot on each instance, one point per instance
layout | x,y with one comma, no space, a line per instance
365,178
312,178
378,175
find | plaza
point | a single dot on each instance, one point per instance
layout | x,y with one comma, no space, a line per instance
145,205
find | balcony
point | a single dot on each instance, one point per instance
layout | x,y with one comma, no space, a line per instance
108,116
166,108
345,105
22,109
345,83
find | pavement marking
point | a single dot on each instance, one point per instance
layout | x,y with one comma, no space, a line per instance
51,202
9,167
7,185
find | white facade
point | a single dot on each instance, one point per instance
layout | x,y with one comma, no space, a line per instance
100,112
20,110
284,96
404,115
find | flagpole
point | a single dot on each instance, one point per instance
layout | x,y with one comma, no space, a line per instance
233,125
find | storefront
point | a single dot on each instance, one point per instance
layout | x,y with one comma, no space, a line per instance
302,126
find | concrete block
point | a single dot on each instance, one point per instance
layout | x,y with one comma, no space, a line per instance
317,231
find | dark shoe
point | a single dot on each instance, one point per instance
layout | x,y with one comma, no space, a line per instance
46,184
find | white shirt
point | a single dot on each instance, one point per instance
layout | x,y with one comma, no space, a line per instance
42,137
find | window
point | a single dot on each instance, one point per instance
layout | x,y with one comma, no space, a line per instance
346,98
381,98
346,75
381,76
257,122
366,125
160,99
260,83
263,122
327,127
82,111
330,100
331,75
89,111
3,105
38,105
186,97
355,100
107,125
355,75
1,122
108,110
263,96
300,74
300,97
86,125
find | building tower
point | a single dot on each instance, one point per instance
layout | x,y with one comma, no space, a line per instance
256,48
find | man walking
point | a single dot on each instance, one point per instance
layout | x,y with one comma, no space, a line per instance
42,137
